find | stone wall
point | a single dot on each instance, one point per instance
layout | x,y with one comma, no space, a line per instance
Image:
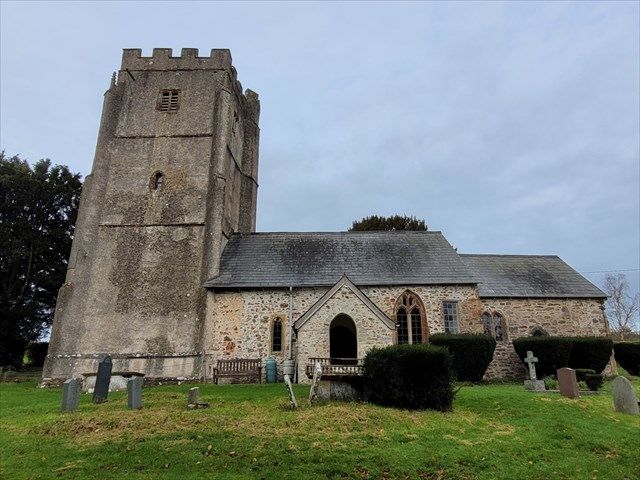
571,317
239,323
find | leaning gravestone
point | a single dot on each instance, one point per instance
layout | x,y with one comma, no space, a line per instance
567,383
134,393
533,383
317,374
292,398
103,378
624,397
70,395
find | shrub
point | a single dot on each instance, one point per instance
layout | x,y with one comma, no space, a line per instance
471,353
594,381
590,352
36,353
628,356
582,386
552,352
581,373
409,376
550,383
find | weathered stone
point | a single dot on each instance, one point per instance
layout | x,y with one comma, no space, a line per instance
317,374
70,395
292,396
194,396
567,383
134,393
139,254
624,397
103,378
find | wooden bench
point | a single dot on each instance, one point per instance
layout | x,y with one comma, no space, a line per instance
238,367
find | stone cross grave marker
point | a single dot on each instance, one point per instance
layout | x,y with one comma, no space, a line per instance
533,383
624,397
103,379
134,393
194,399
317,374
70,395
292,398
567,383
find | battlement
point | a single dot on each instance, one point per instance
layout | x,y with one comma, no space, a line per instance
162,59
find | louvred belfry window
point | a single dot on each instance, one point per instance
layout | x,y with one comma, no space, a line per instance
169,101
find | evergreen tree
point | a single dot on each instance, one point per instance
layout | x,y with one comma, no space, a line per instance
394,222
38,209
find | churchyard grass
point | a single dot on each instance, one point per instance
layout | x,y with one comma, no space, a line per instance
495,432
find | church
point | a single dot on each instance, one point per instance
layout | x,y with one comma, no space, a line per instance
168,275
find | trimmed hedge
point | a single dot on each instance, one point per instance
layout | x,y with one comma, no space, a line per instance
628,356
552,352
409,376
581,373
590,352
471,353
594,381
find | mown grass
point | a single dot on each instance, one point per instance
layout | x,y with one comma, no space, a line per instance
494,432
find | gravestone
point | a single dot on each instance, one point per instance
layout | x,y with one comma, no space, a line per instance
292,398
134,393
194,396
103,378
194,399
317,374
533,383
624,397
567,383
70,395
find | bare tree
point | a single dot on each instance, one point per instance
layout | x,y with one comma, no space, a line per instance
622,307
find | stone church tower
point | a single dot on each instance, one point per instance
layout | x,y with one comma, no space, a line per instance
174,175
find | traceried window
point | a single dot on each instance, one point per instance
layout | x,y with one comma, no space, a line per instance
169,101
276,335
494,325
450,312
409,318
486,324
403,329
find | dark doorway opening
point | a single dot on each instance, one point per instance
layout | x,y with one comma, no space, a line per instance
343,340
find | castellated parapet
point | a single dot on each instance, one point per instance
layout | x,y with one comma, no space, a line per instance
175,173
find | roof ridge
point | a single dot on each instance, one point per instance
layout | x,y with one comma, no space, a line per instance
340,232
520,255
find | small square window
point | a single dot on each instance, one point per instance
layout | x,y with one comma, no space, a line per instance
169,101
450,311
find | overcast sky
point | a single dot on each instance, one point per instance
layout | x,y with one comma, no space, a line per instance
512,127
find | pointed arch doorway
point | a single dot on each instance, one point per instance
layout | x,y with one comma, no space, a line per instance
343,338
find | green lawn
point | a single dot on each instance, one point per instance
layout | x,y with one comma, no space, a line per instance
494,432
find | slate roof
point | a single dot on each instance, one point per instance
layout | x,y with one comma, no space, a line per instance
296,259
542,276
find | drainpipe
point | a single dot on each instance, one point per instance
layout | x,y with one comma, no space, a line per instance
290,323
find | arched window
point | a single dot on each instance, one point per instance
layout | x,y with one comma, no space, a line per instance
157,180
416,325
486,324
538,332
276,335
403,329
494,325
498,327
409,319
